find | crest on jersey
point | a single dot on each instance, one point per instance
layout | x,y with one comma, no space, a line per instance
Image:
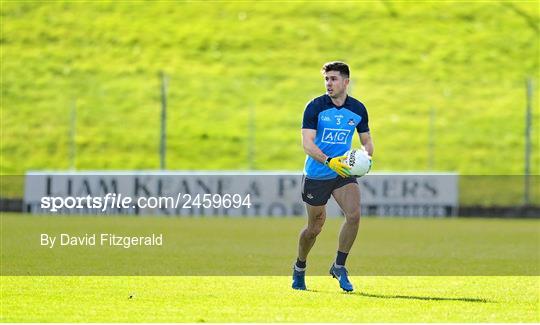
351,122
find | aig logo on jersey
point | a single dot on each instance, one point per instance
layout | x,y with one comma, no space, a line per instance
335,136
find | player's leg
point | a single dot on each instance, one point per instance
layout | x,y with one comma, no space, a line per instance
348,198
308,235
315,194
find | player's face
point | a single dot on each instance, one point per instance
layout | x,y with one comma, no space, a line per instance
335,83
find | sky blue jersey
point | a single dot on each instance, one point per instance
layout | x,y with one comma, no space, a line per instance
335,129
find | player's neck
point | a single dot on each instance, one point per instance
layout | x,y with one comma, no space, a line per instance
339,101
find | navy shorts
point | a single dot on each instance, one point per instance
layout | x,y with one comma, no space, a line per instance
317,192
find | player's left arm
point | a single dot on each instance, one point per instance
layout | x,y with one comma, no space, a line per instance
367,142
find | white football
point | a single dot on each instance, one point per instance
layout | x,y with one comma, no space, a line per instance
359,162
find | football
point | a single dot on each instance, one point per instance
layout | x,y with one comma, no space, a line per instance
359,162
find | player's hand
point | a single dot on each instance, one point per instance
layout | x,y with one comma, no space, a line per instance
337,165
367,153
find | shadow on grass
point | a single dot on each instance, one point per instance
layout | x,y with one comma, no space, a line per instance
364,294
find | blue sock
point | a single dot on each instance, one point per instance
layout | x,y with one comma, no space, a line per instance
300,264
341,258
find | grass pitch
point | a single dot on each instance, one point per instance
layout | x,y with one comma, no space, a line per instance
246,266
269,299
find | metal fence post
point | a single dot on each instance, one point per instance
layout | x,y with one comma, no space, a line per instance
163,132
72,135
528,122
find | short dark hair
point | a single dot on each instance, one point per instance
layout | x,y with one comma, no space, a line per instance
338,66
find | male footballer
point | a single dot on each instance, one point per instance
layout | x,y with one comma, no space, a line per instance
327,131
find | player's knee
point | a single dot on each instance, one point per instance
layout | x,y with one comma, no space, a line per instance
353,218
314,231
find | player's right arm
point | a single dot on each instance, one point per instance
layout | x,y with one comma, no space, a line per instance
310,148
